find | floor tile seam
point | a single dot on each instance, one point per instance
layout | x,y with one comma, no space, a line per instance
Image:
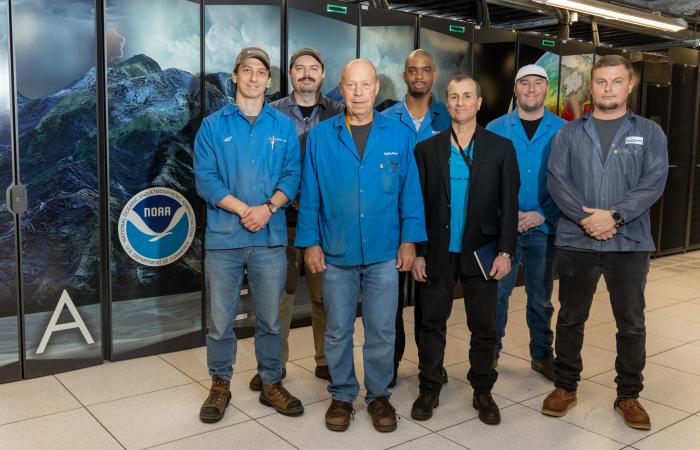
176,368
13,422
144,393
421,437
682,344
579,426
274,432
196,434
642,396
91,414
661,429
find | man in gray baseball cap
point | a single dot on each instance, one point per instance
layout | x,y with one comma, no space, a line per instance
306,106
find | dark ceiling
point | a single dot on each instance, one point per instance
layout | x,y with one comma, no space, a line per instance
523,15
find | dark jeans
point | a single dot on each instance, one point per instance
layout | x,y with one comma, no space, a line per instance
433,307
625,275
405,282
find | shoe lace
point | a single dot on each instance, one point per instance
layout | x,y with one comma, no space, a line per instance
631,403
280,390
382,402
218,392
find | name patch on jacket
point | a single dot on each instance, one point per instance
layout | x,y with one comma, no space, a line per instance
637,140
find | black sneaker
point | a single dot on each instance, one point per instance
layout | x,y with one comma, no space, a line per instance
488,409
424,405
256,382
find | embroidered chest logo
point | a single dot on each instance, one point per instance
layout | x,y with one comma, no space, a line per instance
273,140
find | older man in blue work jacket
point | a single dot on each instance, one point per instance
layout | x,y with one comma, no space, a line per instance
424,116
360,215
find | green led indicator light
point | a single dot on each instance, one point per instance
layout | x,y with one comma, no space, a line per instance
337,9
457,29
548,43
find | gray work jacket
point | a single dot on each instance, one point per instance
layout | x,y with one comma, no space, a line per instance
325,109
629,180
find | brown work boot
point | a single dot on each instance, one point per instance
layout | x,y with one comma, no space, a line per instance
634,414
276,396
383,415
256,382
215,405
546,368
339,415
558,402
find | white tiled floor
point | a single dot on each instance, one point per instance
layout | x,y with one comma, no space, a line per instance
154,401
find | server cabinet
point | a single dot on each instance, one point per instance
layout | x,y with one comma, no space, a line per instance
680,153
656,106
575,77
543,51
331,28
494,63
155,215
386,38
57,161
10,367
450,43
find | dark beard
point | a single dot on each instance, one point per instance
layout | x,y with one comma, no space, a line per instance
610,107
417,94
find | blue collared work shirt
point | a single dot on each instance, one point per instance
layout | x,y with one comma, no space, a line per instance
436,120
459,189
250,163
630,180
359,210
532,160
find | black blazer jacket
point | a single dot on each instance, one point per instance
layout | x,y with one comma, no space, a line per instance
492,212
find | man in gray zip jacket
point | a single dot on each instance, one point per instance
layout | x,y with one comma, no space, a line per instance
605,171
306,106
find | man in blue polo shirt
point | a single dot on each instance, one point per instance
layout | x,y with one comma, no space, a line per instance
531,128
246,166
360,215
424,116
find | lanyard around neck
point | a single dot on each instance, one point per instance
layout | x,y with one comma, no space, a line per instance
470,148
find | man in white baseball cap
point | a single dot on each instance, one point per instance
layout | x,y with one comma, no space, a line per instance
532,127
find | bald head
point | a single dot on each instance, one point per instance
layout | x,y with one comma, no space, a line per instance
359,87
358,64
419,53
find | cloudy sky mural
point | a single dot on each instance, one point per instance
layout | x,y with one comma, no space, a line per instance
336,40
396,43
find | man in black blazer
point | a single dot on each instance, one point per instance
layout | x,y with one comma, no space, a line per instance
470,181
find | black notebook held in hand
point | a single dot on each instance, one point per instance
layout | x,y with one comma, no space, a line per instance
484,258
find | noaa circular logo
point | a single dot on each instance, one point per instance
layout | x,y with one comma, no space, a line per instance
156,227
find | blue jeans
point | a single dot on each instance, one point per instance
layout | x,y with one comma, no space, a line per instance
535,251
267,273
342,286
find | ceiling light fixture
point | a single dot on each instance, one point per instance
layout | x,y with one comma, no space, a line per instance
611,12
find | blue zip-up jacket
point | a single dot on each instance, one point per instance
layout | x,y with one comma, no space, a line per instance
250,163
630,180
359,210
532,161
437,119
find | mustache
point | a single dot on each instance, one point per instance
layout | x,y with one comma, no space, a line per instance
307,79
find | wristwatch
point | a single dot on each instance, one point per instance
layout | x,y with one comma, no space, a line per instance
507,256
617,217
271,206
